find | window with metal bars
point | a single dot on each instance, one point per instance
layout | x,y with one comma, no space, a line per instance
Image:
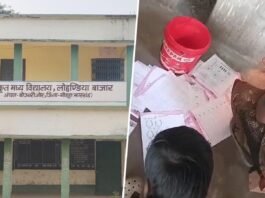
46,154
1,155
82,154
37,154
7,69
108,69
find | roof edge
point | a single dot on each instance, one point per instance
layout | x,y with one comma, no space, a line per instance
65,16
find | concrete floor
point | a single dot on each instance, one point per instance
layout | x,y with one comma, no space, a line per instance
230,179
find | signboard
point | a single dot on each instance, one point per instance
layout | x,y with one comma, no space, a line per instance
85,92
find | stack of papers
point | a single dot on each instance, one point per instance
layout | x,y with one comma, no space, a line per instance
200,99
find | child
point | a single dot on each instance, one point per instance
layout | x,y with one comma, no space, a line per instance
178,164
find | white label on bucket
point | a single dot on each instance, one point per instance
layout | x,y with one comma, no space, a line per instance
175,70
175,56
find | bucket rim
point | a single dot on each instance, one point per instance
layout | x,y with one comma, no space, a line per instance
180,47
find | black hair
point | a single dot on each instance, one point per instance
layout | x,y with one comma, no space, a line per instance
179,164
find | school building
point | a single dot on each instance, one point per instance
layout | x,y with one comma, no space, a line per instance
64,97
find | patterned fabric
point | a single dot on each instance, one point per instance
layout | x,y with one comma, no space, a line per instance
248,133
133,188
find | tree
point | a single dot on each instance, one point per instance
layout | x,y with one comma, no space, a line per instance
5,10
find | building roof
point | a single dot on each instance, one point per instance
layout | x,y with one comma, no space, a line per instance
68,28
64,16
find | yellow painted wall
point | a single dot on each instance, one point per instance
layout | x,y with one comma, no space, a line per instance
6,51
47,63
53,62
86,53
43,62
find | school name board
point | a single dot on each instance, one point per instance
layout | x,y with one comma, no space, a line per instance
87,92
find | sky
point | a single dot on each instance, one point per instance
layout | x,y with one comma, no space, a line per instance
72,6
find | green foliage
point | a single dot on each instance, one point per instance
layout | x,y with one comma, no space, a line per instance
5,10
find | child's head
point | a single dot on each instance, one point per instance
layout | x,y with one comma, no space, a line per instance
178,164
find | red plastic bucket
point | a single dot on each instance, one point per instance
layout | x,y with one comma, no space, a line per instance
185,40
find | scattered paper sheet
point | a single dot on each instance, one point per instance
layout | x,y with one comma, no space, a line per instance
137,104
139,72
133,124
200,100
153,123
196,93
214,119
197,65
161,90
191,122
153,76
173,93
215,75
165,95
